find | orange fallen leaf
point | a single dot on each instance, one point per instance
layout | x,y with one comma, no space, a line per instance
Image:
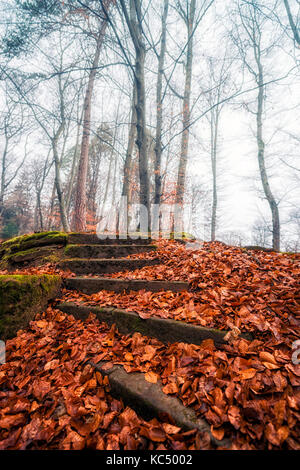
151,377
264,356
128,356
41,324
170,429
170,388
218,433
247,374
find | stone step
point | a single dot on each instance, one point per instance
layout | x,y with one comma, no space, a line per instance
98,266
93,239
167,331
90,285
105,251
148,399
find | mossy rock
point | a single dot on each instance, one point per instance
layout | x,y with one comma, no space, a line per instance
29,255
33,240
42,247
22,297
259,248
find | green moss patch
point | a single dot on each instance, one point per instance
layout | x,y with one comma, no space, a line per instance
29,248
33,240
22,297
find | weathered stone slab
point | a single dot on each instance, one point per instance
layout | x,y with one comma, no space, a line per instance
93,239
98,266
149,401
105,251
167,331
91,285
259,248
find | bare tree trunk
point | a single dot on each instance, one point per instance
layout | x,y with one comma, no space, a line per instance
214,141
79,220
130,147
73,169
261,160
61,202
253,23
108,179
186,106
134,24
113,196
292,23
3,173
159,113
141,124
39,185
38,214
51,208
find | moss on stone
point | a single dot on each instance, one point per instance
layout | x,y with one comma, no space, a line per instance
68,248
29,247
28,255
33,240
259,248
21,297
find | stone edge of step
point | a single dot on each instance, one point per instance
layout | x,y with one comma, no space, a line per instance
114,260
149,400
166,330
123,284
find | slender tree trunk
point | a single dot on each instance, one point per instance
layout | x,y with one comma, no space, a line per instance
61,202
214,141
3,173
38,214
180,188
81,201
141,129
134,23
261,161
113,196
73,169
292,23
130,147
51,207
108,180
159,111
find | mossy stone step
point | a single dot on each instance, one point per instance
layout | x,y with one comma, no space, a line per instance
34,240
260,248
105,251
31,255
167,331
91,285
93,239
150,401
98,266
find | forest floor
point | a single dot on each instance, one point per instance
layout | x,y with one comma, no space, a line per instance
247,390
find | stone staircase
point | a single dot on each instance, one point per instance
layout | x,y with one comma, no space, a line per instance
86,254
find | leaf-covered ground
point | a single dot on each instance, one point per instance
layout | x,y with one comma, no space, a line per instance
248,391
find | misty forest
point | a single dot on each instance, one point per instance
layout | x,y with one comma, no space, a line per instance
181,331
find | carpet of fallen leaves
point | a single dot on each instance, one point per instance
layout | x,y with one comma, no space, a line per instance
248,391
254,291
51,398
48,268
